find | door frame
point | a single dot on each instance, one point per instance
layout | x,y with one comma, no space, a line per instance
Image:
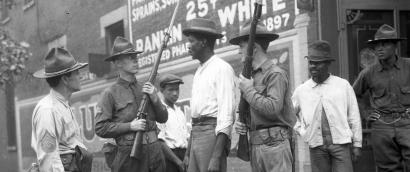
343,5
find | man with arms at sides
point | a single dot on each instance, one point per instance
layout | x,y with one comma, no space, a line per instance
117,113
213,100
174,132
268,96
55,133
328,114
388,82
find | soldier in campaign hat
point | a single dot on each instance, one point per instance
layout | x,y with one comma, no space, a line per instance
268,96
213,100
55,142
328,114
117,113
388,82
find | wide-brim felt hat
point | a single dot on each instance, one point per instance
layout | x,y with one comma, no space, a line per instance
202,26
58,61
261,32
385,33
169,79
319,51
121,46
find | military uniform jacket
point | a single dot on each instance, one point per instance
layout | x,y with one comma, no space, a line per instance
118,106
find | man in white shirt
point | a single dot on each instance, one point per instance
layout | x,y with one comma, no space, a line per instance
213,100
328,114
55,133
174,132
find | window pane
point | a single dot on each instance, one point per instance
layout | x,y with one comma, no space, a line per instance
405,33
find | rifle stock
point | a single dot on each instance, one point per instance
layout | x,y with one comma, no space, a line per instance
243,151
137,146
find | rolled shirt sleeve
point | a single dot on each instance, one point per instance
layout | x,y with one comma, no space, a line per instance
226,92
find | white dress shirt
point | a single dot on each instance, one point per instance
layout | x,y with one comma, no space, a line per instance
213,93
337,98
54,132
175,132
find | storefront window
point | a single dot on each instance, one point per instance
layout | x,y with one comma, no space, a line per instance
405,33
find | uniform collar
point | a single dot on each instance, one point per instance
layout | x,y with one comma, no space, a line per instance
264,66
398,64
59,97
125,83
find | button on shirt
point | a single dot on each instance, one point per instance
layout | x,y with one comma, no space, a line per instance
54,131
389,87
337,98
175,131
213,93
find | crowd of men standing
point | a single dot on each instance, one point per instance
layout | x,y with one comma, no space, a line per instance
323,110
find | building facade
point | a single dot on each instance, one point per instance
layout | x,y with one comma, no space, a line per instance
88,28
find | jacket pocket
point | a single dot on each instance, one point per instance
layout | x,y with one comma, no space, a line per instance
123,103
378,93
405,98
405,90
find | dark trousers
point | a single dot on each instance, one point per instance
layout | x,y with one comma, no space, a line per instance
391,145
180,153
331,158
152,159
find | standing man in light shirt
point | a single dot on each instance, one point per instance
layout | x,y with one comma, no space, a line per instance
174,132
213,100
55,133
328,114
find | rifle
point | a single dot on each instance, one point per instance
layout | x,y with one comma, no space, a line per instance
244,111
141,114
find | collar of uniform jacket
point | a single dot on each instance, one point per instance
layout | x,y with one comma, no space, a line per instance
125,83
398,64
263,67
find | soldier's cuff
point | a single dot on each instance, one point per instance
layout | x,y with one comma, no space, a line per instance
124,127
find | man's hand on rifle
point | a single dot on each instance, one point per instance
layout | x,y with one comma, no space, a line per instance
241,128
151,91
138,125
244,83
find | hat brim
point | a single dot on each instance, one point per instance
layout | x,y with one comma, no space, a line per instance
171,82
204,31
373,41
319,58
114,56
269,36
42,74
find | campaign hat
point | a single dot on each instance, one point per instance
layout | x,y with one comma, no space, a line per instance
385,33
261,32
120,47
58,61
